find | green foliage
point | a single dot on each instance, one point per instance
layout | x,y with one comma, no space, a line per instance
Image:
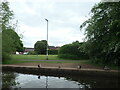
53,52
31,53
68,56
74,51
103,34
40,47
6,15
10,39
8,80
5,56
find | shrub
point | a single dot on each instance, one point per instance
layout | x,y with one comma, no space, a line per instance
5,57
53,52
68,56
31,53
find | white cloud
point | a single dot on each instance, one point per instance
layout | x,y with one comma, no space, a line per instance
32,34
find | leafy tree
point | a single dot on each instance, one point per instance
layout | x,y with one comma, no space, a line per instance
103,34
40,47
10,39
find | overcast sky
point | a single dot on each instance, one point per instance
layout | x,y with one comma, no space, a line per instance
64,19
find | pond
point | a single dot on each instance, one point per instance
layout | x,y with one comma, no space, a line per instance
20,80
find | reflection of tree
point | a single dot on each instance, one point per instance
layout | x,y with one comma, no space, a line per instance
94,82
8,79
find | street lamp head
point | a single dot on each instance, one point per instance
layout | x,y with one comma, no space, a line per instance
46,19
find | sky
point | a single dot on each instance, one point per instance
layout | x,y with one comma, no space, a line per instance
64,20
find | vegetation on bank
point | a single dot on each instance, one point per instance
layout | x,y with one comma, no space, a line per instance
73,51
102,43
102,31
10,39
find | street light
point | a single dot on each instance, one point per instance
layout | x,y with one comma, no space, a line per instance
47,42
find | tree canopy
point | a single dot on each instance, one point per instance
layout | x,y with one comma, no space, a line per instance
103,33
40,47
10,39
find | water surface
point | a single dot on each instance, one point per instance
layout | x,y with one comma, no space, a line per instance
19,80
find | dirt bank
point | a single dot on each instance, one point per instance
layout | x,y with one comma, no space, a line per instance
63,65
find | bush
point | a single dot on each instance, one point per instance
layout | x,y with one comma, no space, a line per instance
73,51
31,53
68,56
52,52
5,57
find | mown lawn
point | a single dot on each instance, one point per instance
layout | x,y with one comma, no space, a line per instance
40,58
34,57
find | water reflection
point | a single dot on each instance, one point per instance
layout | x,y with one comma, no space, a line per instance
38,77
18,80
46,82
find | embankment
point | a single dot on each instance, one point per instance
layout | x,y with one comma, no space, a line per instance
62,71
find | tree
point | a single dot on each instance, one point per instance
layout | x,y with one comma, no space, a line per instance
10,39
40,47
102,33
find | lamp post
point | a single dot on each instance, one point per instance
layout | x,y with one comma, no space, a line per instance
47,41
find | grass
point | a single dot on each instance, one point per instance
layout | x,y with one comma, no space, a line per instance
34,57
40,59
55,59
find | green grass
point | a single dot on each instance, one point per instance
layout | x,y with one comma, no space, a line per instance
35,57
32,59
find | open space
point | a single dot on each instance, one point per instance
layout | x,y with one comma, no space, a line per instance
53,61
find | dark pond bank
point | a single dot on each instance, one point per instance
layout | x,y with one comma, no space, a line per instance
63,71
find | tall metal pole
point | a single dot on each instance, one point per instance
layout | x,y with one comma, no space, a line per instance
47,42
